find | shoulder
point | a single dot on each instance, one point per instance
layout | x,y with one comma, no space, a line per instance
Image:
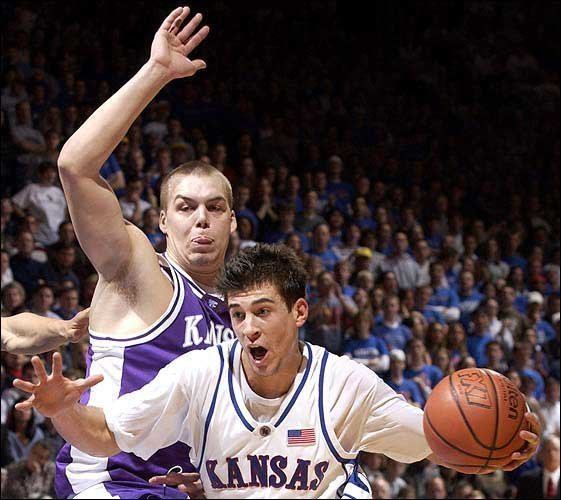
344,375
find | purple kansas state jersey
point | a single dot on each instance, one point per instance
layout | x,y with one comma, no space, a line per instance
193,320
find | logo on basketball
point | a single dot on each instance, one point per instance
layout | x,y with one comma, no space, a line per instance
475,390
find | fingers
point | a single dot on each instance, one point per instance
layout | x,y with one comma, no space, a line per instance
199,64
24,386
533,423
190,27
530,437
168,21
57,364
194,41
25,405
89,382
176,478
176,25
39,369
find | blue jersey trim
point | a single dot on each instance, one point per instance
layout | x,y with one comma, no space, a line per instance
212,405
249,427
300,387
172,311
322,415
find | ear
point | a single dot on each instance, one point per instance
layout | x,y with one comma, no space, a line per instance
233,222
163,222
300,311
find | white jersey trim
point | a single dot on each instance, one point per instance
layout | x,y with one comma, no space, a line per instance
98,339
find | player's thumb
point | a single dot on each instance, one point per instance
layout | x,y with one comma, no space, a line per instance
199,64
89,382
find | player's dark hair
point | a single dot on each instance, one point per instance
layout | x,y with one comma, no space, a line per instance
265,264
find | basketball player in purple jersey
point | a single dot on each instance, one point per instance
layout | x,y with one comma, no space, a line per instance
147,309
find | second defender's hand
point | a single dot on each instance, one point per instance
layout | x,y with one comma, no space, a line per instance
172,45
54,394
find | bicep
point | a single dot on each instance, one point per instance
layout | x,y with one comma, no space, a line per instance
394,427
98,222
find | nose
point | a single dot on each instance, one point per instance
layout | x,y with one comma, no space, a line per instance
249,329
202,216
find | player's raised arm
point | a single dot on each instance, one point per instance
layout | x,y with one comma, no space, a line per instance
28,333
93,206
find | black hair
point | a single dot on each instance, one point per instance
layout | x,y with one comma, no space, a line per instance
265,264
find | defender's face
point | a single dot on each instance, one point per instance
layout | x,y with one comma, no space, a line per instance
266,328
198,221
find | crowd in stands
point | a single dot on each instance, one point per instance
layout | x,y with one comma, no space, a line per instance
413,165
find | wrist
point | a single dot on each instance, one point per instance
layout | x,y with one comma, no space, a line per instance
154,72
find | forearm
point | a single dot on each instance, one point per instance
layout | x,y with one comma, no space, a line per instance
85,428
28,333
87,149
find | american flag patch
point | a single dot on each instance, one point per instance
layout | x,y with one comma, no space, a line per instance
301,437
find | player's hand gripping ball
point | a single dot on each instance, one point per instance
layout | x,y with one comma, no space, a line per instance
473,419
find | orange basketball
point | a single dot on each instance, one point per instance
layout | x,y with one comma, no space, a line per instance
473,419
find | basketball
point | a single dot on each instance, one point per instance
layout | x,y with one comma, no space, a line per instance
473,419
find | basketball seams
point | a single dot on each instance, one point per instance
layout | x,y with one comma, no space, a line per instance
496,430
458,404
451,445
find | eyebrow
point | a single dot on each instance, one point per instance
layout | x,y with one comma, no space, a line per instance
192,200
263,300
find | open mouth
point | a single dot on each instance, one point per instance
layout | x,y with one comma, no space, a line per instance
258,353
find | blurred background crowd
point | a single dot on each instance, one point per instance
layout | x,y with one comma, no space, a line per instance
411,160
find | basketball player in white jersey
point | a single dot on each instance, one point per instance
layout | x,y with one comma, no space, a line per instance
28,333
147,309
265,416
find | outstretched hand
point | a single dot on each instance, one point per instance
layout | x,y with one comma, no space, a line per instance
172,44
53,394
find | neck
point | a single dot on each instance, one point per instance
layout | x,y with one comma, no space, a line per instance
417,363
279,383
206,279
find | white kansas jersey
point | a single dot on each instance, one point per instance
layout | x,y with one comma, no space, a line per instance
308,448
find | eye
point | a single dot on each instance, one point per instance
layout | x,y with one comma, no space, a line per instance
238,315
263,312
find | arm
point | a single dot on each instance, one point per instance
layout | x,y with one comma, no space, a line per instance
56,397
28,333
93,207
141,422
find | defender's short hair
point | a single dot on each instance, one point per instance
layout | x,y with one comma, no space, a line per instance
265,264
199,169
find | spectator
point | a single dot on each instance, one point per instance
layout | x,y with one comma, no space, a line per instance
45,201
444,300
425,375
479,337
407,271
364,347
524,365
7,273
33,476
395,379
68,303
469,297
495,357
13,299
543,481
549,411
436,488
23,431
320,247
42,302
391,328
132,205
63,265
325,316
151,228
